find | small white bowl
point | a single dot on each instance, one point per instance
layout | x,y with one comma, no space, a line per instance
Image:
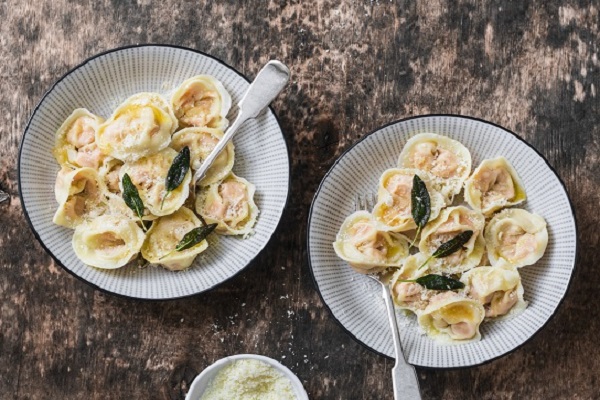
201,382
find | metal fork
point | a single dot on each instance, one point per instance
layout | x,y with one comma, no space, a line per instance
404,376
269,82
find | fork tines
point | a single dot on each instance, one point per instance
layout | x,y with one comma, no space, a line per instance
365,201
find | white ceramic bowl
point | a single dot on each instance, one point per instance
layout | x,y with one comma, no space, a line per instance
100,84
201,382
355,300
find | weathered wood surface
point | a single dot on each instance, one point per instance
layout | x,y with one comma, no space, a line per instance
530,66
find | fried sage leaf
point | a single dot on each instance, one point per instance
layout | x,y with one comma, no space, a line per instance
439,282
192,238
451,246
132,198
195,236
420,205
176,175
420,202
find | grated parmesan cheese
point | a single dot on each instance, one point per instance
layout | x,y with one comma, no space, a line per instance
249,380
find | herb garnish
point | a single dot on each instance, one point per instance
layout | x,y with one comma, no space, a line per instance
192,238
451,246
132,198
420,205
437,282
176,175
195,236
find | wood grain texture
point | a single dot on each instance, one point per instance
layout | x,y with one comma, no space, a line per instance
531,66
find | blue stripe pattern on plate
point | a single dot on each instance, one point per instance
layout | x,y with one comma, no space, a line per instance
355,300
100,85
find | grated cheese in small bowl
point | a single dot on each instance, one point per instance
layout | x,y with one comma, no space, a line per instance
246,377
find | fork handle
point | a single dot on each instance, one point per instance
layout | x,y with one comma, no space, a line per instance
404,376
269,82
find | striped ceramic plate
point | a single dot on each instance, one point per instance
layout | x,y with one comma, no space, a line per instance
355,301
100,84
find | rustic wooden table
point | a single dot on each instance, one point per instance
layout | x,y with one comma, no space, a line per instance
531,66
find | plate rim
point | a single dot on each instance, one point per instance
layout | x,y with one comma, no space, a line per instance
55,258
413,117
